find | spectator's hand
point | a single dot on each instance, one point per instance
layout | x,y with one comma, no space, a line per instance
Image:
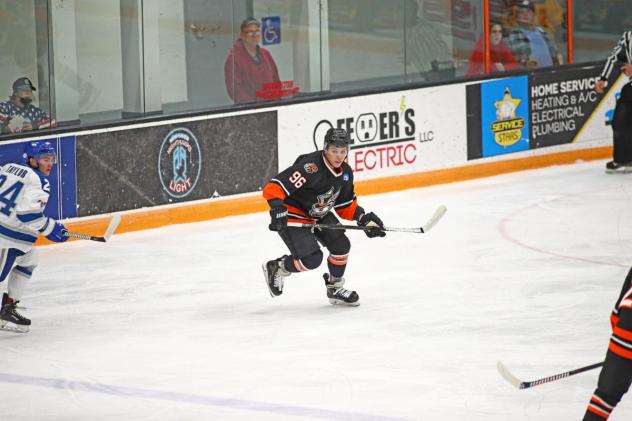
531,63
599,86
16,124
499,67
627,69
27,126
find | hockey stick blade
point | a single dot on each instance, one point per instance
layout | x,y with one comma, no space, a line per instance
507,375
504,372
114,223
436,216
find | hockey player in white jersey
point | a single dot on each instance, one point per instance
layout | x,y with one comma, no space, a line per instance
24,191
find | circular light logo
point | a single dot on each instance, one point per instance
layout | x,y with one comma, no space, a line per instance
179,162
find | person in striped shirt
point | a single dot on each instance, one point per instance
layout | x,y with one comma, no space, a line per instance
622,120
616,373
18,114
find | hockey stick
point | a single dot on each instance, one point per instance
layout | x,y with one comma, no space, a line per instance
525,385
116,219
436,216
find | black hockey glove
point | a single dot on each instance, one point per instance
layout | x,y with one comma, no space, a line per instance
371,220
278,215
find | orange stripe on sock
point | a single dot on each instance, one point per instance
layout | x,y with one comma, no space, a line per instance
337,262
598,400
598,411
299,265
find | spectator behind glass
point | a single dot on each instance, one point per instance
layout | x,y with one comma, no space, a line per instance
529,43
18,114
501,58
500,11
248,66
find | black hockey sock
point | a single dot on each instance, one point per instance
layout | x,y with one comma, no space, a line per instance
337,264
288,264
337,271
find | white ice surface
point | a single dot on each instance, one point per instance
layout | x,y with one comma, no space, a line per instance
177,324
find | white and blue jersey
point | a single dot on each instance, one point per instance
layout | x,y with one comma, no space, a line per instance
24,193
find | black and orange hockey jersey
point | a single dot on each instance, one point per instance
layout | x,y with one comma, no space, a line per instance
311,188
621,320
616,374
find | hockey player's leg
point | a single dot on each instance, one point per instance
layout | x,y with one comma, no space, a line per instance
616,373
339,246
621,137
614,382
18,276
306,255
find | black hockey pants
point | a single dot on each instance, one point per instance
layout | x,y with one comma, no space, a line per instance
622,127
306,253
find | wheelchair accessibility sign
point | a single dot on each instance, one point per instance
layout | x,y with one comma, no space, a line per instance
271,30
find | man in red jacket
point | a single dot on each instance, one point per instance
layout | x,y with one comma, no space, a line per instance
248,66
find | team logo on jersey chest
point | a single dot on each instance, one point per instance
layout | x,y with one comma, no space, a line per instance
179,162
326,202
311,168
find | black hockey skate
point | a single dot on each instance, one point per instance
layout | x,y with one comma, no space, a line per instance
613,167
274,275
337,294
10,319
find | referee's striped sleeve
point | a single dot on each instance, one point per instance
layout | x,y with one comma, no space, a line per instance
624,45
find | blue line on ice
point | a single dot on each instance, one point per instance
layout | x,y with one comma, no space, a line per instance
132,392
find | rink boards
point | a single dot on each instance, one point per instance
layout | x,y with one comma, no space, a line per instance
204,167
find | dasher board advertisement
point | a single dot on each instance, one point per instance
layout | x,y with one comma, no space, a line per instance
175,162
565,107
392,133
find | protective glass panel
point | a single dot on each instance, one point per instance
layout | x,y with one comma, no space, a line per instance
366,44
597,26
440,37
195,37
24,66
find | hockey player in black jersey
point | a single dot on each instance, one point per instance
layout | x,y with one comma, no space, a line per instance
616,373
307,192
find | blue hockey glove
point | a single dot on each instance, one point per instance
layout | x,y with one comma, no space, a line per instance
371,220
56,234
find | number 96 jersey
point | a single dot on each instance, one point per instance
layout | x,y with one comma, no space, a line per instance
311,188
23,196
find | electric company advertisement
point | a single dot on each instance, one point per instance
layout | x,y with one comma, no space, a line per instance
392,133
